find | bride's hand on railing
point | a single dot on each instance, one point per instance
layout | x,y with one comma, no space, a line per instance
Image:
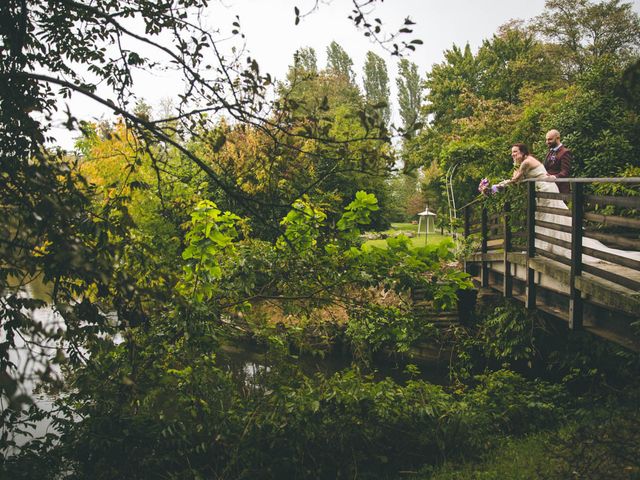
498,187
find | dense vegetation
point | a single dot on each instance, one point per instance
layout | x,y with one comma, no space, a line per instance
574,69
234,217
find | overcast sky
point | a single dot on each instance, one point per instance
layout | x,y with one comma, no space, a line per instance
439,24
272,38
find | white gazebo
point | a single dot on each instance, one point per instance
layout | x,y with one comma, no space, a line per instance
429,221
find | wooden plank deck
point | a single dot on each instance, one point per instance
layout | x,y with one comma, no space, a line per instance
554,277
587,287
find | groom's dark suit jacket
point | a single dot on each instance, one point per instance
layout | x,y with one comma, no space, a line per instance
559,164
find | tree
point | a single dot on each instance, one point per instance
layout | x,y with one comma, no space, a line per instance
339,63
585,32
306,60
409,94
305,66
56,229
376,85
356,153
404,189
510,60
448,81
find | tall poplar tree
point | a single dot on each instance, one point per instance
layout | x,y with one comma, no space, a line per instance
305,59
376,85
408,93
339,62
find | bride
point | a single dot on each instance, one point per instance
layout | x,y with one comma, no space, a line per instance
530,167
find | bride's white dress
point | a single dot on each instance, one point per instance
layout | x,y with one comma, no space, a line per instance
541,172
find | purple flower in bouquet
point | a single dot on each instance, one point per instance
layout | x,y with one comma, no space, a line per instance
483,186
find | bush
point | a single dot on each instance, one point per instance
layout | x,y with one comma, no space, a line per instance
184,416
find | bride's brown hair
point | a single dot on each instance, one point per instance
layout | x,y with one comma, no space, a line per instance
524,150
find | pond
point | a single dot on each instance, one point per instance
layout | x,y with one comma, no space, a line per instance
246,361
31,357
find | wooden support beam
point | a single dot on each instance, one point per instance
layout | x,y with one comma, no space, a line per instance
627,202
507,280
613,220
531,247
575,296
484,279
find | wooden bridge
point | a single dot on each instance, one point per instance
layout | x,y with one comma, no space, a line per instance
601,295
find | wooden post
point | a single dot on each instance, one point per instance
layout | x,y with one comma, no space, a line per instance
531,245
575,296
484,279
507,281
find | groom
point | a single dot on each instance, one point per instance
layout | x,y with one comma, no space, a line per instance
558,161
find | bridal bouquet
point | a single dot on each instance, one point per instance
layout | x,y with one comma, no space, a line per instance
484,187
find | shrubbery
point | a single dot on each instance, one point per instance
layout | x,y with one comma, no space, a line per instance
184,416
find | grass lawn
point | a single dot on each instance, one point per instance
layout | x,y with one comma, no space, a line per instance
405,227
408,227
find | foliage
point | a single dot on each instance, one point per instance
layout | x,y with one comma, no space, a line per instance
339,63
376,86
512,60
401,268
357,214
407,200
515,458
507,334
117,256
144,390
305,61
599,444
604,444
516,405
409,96
513,90
447,82
394,325
376,327
302,226
346,274
356,155
209,244
585,32
184,415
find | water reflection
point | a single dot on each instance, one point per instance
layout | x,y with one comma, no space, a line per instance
33,353
249,362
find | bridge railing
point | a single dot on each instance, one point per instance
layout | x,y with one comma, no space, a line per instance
555,228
